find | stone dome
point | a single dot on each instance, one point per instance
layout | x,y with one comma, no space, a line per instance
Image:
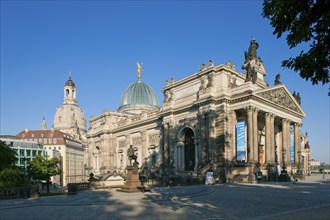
69,116
138,97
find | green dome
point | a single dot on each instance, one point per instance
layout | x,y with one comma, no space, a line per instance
138,97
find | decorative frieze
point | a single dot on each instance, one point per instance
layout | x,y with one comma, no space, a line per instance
280,97
153,139
137,141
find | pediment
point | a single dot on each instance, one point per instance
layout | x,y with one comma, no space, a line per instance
280,96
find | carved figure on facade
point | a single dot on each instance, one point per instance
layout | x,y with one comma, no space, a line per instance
137,141
280,97
210,80
132,156
167,83
154,139
277,80
202,85
171,95
231,81
228,63
233,67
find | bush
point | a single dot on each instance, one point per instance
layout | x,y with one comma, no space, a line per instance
11,177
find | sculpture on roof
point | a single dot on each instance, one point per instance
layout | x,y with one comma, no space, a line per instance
252,62
139,70
277,80
43,124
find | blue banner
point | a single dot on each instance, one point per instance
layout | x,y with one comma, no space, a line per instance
291,144
240,141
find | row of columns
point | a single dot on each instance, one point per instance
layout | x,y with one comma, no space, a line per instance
252,137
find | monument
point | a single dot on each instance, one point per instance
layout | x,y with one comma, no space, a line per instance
133,183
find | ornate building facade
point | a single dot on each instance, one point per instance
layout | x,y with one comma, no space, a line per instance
216,119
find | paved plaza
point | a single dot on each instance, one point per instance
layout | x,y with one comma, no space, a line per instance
308,199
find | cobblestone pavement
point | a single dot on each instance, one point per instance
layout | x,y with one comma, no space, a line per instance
309,199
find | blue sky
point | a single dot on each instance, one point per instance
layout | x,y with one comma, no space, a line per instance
101,41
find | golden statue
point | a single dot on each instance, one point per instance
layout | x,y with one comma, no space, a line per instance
139,70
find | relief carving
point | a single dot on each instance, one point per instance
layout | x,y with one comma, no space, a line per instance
280,97
153,139
122,144
137,141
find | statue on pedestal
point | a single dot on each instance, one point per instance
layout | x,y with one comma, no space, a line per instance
132,156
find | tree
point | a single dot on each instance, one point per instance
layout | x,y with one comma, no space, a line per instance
11,177
8,156
41,168
305,21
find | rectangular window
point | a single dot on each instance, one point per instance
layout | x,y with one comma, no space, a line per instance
55,141
21,152
28,153
45,141
33,153
50,141
22,161
40,140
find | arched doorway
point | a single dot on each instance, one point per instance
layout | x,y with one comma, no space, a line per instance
189,150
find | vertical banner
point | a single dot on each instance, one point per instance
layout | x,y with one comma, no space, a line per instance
209,180
291,144
240,141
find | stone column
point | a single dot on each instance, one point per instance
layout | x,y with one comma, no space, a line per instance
286,139
272,138
250,134
144,145
232,145
255,135
297,141
268,138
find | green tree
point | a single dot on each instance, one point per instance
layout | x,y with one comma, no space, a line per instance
11,177
42,168
8,156
303,21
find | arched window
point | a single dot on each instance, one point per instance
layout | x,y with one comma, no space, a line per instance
189,150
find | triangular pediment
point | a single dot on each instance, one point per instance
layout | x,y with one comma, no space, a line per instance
280,96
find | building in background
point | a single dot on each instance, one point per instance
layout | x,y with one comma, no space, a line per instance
217,118
26,149
69,117
64,147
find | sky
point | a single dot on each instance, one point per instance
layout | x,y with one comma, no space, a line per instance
100,42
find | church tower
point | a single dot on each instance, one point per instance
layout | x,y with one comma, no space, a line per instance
69,117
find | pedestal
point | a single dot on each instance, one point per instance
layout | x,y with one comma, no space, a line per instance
133,183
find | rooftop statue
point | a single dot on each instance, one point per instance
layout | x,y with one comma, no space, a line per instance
277,80
252,62
139,70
